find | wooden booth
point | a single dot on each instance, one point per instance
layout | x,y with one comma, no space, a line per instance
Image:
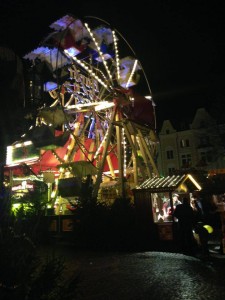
155,200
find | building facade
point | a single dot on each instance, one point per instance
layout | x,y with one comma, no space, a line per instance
199,146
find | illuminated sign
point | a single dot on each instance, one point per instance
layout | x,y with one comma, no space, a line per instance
23,186
21,152
85,86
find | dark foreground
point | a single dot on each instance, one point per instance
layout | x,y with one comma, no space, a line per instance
144,275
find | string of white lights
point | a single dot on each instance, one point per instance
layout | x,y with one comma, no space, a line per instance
89,70
116,54
101,144
124,153
99,50
132,73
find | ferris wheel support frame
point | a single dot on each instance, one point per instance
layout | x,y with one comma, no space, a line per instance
104,155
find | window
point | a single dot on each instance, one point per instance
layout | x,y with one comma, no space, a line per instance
186,160
184,143
167,131
171,170
206,156
202,124
204,141
169,154
161,205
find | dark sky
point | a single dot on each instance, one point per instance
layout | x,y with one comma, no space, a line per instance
181,46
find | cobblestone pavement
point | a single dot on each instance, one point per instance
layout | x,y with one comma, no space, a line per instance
146,275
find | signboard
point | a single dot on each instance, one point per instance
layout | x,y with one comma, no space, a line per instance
22,152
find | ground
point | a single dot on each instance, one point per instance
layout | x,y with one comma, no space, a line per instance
145,275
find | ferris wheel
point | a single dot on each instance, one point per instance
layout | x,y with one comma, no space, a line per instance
107,127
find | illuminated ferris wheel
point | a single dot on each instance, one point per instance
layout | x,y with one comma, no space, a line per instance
107,128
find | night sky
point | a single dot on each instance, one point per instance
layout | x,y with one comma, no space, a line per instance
181,46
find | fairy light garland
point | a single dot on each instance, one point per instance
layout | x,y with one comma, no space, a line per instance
116,55
79,62
103,141
99,50
125,153
165,182
172,180
160,182
103,75
132,73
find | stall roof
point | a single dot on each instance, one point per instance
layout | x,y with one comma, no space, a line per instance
169,183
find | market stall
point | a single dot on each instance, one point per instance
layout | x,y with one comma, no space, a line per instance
155,200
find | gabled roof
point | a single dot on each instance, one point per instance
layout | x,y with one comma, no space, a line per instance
169,183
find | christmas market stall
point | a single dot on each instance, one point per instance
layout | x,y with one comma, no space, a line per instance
155,200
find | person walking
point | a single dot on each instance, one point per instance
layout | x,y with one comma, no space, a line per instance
185,216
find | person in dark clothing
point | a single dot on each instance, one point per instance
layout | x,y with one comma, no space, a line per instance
185,216
212,215
198,213
203,237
